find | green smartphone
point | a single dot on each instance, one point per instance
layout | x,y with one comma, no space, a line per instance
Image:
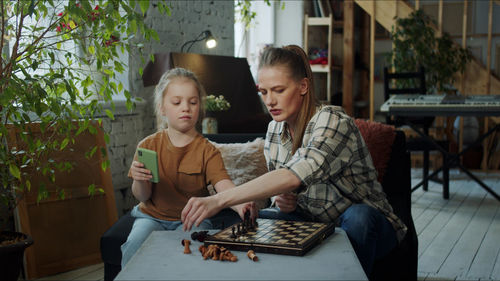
150,160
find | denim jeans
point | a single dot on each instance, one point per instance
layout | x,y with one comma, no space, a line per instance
145,224
370,233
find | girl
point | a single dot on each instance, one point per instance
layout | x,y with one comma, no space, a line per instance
187,162
319,165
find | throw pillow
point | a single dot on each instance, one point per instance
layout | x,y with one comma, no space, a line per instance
244,162
378,138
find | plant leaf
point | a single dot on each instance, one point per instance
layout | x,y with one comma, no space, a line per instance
144,6
14,171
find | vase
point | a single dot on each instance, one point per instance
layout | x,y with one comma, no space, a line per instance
209,125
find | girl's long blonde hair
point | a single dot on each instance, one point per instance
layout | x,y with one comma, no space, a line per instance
295,59
159,93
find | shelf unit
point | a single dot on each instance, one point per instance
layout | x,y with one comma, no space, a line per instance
329,68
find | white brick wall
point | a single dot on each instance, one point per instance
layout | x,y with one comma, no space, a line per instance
188,20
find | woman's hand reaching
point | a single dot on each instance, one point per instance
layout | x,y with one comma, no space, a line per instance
242,208
197,209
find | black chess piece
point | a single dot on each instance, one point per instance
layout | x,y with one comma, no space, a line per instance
200,236
194,235
246,217
233,235
238,232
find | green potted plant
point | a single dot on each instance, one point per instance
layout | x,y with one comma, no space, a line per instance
213,104
415,44
51,52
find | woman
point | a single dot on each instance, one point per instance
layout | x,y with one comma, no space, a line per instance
319,166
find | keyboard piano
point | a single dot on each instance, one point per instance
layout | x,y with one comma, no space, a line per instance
442,105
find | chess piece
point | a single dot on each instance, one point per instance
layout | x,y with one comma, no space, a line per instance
194,235
200,236
233,235
246,218
238,232
251,255
186,243
202,249
215,252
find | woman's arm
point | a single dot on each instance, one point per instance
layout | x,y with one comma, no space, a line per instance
272,183
226,184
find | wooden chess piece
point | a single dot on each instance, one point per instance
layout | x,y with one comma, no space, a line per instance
251,255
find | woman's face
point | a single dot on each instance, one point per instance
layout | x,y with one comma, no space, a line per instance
181,105
281,94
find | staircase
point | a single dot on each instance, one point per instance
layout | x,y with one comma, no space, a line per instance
476,74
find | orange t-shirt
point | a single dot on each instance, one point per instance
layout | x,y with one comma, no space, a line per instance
184,172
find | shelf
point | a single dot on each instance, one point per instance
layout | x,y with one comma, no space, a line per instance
312,21
319,68
318,21
324,67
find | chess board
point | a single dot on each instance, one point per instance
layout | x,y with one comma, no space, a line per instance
275,236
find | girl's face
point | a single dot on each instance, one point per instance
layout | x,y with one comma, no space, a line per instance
181,105
281,94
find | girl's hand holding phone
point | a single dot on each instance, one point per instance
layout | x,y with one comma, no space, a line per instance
139,173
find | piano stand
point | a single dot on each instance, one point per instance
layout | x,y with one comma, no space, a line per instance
453,160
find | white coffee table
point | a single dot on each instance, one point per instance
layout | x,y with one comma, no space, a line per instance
161,257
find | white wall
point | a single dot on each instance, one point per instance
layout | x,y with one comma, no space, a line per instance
273,25
289,23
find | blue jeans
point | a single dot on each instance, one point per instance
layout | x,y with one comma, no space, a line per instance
370,233
145,224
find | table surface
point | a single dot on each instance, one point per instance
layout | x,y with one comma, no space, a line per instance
161,257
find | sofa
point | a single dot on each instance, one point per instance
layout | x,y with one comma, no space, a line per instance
242,155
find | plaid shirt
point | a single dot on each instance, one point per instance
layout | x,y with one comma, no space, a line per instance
334,165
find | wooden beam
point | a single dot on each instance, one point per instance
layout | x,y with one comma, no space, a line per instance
463,77
488,142
440,18
348,63
372,60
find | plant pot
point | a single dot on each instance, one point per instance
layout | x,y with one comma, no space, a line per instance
11,255
209,124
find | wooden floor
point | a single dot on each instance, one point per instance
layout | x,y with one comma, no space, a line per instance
93,272
459,238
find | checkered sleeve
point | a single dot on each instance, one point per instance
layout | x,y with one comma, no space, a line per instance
327,152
